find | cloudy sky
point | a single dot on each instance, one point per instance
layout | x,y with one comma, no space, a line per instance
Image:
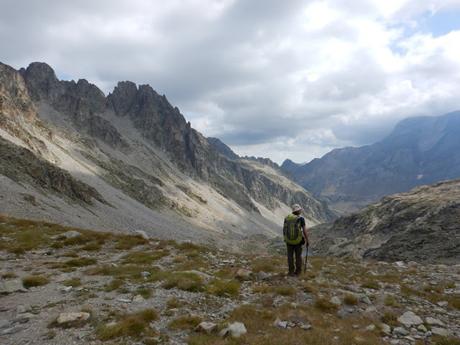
280,79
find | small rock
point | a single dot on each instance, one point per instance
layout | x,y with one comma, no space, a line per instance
422,328
409,319
143,234
385,328
206,327
4,323
22,309
263,275
335,300
124,300
243,274
370,328
72,317
12,330
145,274
23,318
433,321
401,331
138,299
70,234
280,324
440,331
235,330
11,285
443,303
305,326
365,299
66,288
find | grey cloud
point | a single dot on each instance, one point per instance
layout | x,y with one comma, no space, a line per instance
248,62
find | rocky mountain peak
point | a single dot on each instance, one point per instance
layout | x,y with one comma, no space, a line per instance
14,96
41,81
122,97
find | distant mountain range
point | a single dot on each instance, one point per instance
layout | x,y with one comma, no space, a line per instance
419,151
130,161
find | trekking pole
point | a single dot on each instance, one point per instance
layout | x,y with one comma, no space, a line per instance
306,259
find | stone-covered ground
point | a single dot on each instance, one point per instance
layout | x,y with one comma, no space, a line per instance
69,286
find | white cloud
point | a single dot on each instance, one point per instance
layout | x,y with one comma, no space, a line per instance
280,79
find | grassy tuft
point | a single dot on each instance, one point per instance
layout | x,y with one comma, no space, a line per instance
227,288
185,322
34,280
184,281
74,282
350,299
131,325
325,305
143,258
390,318
80,262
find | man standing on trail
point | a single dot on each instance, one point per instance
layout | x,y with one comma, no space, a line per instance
295,235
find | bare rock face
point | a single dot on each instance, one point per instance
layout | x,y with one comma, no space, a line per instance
421,225
14,97
21,165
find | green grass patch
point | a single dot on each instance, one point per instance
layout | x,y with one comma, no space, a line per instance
144,292
79,262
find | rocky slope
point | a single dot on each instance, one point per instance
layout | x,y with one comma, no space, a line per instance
421,225
150,169
88,287
421,150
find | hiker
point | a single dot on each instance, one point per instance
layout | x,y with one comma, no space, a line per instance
295,236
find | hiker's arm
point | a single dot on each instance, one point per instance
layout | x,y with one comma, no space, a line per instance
305,235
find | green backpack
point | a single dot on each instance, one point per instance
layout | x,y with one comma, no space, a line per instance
292,230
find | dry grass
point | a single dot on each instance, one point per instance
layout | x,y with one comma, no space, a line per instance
133,325
185,322
184,281
9,275
79,262
174,303
34,280
391,301
143,257
224,288
114,284
268,264
350,299
144,292
325,305
74,282
390,318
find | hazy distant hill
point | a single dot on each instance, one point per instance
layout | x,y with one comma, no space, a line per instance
420,150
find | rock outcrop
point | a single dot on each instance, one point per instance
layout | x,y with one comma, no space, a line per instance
421,225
